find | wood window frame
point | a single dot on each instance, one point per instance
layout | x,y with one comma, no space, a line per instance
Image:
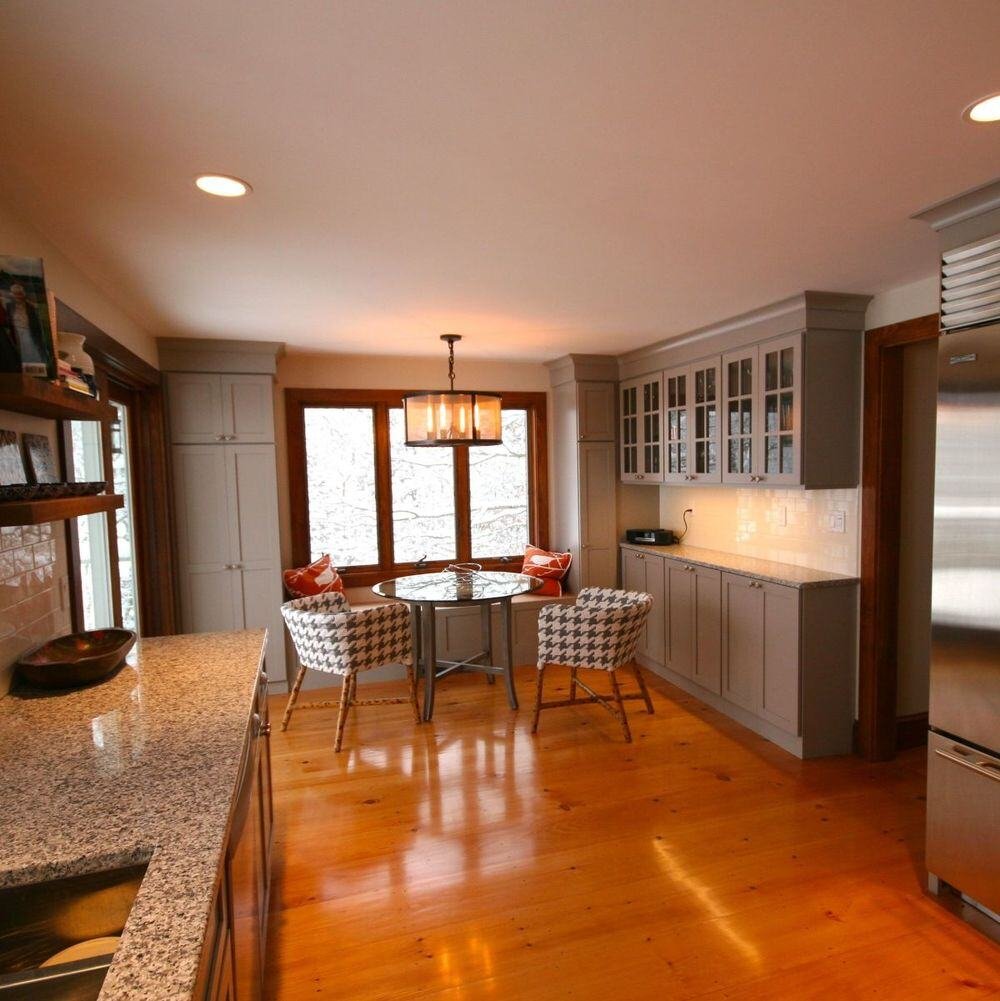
120,371
297,401
879,733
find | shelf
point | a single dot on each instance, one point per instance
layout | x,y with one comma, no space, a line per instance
27,395
36,512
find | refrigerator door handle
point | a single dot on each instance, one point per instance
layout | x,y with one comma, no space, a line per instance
987,768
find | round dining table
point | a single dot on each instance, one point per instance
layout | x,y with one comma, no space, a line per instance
427,592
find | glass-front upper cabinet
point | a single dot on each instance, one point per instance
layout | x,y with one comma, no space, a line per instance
642,430
706,466
675,426
780,392
740,416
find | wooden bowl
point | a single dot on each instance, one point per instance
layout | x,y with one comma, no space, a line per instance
77,659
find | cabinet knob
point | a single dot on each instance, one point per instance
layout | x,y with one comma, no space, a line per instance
220,437
263,677
265,730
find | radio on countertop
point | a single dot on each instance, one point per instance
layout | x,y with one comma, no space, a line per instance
650,536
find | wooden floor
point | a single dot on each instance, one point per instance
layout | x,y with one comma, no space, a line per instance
465,859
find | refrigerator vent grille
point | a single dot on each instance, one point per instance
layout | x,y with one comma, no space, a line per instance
970,284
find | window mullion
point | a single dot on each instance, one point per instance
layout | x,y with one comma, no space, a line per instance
383,486
463,514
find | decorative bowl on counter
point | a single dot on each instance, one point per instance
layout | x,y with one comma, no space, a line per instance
77,659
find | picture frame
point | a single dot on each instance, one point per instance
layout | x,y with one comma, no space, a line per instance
42,465
27,341
12,470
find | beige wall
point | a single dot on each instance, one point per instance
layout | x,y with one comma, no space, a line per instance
789,526
71,285
34,596
34,604
333,371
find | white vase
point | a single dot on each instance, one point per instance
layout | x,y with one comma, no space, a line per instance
71,348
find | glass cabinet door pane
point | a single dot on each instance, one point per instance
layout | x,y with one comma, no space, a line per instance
710,385
746,376
771,413
786,412
787,454
771,370
787,367
771,455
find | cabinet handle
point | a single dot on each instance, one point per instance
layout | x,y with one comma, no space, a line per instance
977,766
220,437
263,677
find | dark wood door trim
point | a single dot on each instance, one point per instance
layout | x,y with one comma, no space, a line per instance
880,528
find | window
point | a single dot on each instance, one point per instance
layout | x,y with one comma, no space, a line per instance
378,507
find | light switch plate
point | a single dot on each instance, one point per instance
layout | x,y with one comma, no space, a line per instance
837,521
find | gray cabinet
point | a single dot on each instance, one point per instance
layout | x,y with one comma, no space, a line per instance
226,506
645,572
760,651
693,623
208,407
595,406
598,535
691,425
778,659
642,430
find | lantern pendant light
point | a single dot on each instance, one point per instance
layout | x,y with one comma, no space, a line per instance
452,417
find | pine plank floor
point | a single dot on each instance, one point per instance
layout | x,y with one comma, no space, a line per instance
465,859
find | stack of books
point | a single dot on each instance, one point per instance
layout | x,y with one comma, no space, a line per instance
77,381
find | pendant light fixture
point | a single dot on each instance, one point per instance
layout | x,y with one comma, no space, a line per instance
452,417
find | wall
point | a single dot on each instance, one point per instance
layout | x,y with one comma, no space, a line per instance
34,603
333,371
789,526
72,286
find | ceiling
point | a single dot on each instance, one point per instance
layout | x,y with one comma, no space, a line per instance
539,176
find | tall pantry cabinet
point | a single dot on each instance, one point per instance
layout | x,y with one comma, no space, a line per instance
226,488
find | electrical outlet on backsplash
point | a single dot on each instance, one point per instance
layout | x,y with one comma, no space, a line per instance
788,526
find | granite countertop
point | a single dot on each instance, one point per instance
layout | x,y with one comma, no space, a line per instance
749,566
141,767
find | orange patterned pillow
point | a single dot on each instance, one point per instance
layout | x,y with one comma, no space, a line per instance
317,578
551,567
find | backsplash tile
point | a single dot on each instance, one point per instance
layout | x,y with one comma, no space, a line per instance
33,581
789,526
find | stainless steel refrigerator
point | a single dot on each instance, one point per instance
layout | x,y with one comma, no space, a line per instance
963,795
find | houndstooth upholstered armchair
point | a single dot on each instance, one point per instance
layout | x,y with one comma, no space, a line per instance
329,636
600,632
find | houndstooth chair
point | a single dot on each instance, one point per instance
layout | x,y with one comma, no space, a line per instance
330,637
600,632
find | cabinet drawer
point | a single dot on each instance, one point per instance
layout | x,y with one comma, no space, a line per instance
963,817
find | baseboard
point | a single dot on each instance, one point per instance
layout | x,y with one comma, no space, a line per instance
911,731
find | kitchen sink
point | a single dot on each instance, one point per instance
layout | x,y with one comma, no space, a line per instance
39,920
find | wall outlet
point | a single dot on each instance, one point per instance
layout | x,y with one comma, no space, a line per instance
836,521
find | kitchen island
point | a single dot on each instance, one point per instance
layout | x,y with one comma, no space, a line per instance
155,765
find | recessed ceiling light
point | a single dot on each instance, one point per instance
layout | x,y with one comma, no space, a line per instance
986,109
223,185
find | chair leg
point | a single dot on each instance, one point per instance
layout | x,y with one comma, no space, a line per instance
412,682
637,671
572,684
293,695
622,718
538,699
346,696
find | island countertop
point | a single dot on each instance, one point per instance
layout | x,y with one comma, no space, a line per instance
141,767
749,566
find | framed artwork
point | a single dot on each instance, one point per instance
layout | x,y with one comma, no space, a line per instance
26,339
41,462
11,463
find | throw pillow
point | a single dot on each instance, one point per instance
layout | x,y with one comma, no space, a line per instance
317,578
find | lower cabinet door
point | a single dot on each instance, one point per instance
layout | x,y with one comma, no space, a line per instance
780,684
742,640
654,643
680,618
707,666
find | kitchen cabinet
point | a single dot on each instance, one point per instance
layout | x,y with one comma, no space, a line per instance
584,484
693,623
227,541
645,572
760,650
595,404
642,430
779,659
691,424
208,407
232,961
598,536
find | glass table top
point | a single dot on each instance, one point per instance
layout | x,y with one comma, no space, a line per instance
447,587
